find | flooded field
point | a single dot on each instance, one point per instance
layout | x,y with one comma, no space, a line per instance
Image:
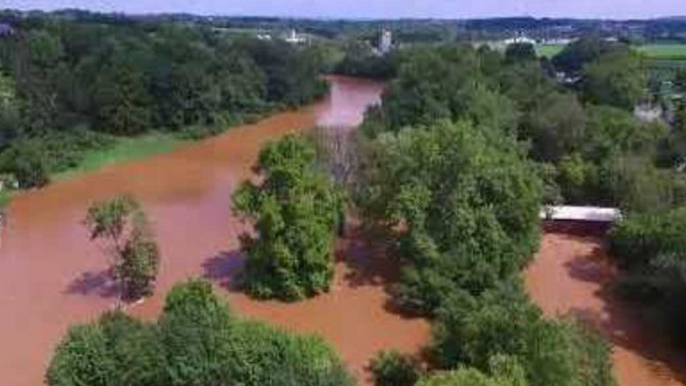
51,276
571,274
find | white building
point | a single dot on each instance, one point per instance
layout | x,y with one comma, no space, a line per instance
295,38
386,42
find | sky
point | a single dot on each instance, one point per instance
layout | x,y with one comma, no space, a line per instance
449,9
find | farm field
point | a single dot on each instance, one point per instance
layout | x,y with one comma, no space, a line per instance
549,50
663,51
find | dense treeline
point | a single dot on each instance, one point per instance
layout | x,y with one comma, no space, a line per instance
198,341
74,83
466,146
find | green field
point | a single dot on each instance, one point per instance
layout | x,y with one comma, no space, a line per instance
549,50
125,149
663,51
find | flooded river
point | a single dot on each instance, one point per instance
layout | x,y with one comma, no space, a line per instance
572,275
51,276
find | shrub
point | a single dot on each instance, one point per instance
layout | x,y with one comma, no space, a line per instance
390,368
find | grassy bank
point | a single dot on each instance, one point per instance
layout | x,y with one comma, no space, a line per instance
124,149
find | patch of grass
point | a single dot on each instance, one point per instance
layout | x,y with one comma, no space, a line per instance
124,149
663,51
6,196
549,50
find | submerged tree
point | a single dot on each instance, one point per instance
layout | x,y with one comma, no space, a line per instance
296,211
123,225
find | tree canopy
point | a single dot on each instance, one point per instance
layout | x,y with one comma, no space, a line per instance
296,211
197,341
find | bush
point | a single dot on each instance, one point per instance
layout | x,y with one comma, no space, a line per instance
296,211
390,368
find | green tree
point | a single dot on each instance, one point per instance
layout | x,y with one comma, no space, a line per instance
123,225
195,329
296,211
583,51
615,79
520,52
196,342
471,331
390,368
556,126
468,199
122,100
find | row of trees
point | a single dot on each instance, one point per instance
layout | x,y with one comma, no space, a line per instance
59,79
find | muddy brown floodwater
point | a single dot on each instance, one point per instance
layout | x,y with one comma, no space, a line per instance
571,275
51,276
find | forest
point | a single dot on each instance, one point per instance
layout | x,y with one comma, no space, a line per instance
69,87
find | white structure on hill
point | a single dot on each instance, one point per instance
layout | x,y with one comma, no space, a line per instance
386,42
295,38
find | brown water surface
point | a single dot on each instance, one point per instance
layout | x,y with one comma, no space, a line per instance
572,275
51,276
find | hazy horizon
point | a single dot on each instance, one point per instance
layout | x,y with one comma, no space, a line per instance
375,9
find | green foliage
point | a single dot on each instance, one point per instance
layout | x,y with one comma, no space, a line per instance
505,372
360,60
583,51
82,358
129,78
470,202
556,125
135,255
615,79
640,238
26,162
196,342
195,328
472,331
260,355
520,52
432,84
390,368
296,211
